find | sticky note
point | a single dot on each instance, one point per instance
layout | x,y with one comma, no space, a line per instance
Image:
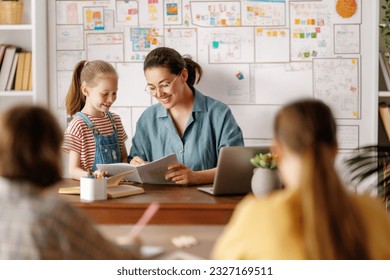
240,76
215,44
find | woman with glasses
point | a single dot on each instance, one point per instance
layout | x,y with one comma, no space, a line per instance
185,122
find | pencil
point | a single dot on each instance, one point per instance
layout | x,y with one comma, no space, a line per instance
142,222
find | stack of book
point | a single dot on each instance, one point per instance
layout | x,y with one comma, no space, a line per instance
15,68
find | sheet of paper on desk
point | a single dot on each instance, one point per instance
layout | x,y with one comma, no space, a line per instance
149,252
149,173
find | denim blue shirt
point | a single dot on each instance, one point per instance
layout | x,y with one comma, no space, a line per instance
210,127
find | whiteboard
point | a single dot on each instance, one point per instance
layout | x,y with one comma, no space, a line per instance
256,56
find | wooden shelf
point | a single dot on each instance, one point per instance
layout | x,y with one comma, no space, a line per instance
30,36
13,93
16,27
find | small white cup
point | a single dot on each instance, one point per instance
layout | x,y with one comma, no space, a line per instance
92,189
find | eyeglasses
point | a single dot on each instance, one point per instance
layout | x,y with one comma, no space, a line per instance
163,87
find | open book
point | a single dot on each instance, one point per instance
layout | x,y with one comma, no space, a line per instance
114,188
149,173
112,192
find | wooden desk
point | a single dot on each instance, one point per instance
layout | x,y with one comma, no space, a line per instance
178,205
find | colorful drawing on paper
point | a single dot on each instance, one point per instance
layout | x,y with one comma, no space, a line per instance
311,32
93,18
219,14
346,8
264,13
172,13
127,11
145,39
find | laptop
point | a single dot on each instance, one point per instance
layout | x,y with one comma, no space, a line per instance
234,171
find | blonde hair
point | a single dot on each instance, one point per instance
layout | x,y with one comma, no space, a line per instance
30,145
88,72
333,226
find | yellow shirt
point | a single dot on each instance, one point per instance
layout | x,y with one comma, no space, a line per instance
270,227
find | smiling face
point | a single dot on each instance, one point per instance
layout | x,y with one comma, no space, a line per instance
166,87
101,95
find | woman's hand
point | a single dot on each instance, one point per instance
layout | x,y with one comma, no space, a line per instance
137,161
180,174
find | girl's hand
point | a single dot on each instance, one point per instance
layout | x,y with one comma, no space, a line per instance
180,174
137,161
100,174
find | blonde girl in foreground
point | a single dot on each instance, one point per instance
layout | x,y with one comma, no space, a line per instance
314,217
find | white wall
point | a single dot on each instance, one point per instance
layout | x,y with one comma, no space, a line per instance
254,64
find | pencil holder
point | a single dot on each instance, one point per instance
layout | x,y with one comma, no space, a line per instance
92,189
11,12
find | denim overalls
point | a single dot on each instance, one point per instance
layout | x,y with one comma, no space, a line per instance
106,147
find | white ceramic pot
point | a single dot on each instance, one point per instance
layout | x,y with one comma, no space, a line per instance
265,181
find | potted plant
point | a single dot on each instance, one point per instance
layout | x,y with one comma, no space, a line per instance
367,162
11,11
265,176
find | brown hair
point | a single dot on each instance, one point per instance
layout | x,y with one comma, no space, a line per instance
85,72
30,145
175,63
333,227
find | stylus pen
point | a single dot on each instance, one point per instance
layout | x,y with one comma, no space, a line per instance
144,220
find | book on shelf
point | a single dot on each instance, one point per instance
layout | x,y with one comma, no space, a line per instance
384,112
7,65
26,70
11,78
120,190
30,78
2,52
19,71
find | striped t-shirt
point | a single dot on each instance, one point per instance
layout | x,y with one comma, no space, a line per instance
79,138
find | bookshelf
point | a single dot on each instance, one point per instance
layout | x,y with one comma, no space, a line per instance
31,36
